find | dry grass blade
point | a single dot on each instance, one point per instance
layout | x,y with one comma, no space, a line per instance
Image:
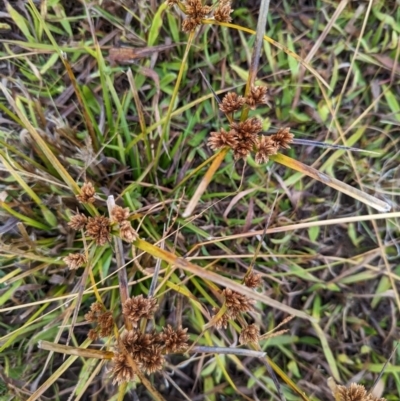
355,193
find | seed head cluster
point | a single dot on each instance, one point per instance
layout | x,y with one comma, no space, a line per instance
147,350
99,228
355,392
250,334
138,307
103,319
120,216
75,260
244,136
87,193
195,12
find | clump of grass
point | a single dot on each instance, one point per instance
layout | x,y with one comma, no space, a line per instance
68,115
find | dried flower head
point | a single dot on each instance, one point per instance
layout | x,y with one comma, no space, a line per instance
282,138
265,147
145,349
95,310
139,307
242,150
249,334
355,392
75,260
171,3
106,324
127,232
93,335
195,12
104,320
119,213
98,228
152,359
252,126
221,321
223,11
252,280
236,302
87,193
258,95
189,25
78,221
122,371
222,138
231,102
174,340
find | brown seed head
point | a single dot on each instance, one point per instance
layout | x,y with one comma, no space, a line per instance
78,221
258,95
249,334
174,341
222,321
265,147
127,232
236,302
87,193
252,280
152,360
242,149
231,102
98,228
250,127
106,324
75,260
282,138
223,11
119,214
92,335
355,392
138,307
195,12
222,138
122,371
189,25
171,3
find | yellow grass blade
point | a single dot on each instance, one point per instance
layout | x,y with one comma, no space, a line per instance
355,193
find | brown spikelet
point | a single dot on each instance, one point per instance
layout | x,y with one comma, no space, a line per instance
249,334
121,371
242,150
119,214
252,280
223,11
139,307
258,95
222,138
236,302
282,138
93,335
152,359
265,147
222,321
171,3
98,228
250,127
355,392
174,340
75,260
231,102
126,231
78,222
195,12
104,320
87,193
189,24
